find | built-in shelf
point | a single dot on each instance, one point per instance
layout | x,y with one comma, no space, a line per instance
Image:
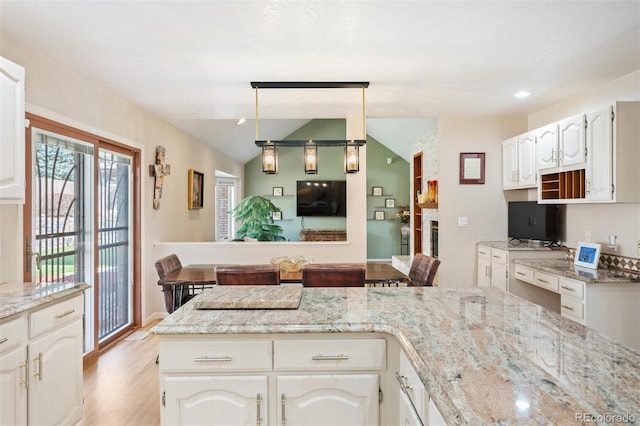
433,205
378,196
277,196
381,220
417,212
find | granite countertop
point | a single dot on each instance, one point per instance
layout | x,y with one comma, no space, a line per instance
519,245
567,269
484,356
19,297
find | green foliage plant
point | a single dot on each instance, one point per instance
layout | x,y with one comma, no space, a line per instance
256,214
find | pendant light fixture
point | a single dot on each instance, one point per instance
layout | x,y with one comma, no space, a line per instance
310,159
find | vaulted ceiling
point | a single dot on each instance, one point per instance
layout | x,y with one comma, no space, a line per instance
191,62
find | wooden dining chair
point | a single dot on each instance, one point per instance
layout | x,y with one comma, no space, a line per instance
423,270
333,275
174,296
247,275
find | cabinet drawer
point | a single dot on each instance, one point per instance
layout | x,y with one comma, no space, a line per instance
330,354
571,288
524,273
213,356
55,315
13,333
484,252
550,282
571,309
499,256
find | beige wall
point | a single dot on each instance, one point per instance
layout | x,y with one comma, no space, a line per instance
54,91
484,205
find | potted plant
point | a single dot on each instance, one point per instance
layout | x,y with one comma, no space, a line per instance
256,214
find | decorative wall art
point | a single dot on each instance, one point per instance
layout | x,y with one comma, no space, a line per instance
159,171
390,203
377,191
196,189
472,168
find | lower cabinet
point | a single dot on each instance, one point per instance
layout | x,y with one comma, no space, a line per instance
41,365
341,399
215,400
492,267
271,380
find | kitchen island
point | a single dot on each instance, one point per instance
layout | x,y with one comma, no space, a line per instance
482,355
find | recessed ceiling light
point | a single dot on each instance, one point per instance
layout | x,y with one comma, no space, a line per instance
522,94
241,121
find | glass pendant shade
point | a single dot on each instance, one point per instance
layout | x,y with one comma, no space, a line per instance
269,159
311,158
351,158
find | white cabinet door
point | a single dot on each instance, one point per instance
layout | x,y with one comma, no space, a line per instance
571,140
12,143
484,272
435,417
13,403
408,416
527,160
547,147
499,275
599,172
343,399
510,163
56,376
215,400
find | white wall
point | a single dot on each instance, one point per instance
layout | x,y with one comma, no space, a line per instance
484,205
56,92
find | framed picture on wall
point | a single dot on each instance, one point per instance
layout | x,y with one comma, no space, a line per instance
276,215
277,191
378,215
196,189
390,203
377,191
472,168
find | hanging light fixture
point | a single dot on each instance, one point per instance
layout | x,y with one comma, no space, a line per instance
269,158
311,158
351,147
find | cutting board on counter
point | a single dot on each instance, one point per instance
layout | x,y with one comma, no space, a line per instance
283,296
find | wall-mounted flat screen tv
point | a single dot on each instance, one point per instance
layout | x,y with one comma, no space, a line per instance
321,198
529,220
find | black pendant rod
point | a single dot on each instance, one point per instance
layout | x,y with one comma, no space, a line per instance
309,84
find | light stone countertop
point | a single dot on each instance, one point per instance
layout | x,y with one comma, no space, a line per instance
17,297
590,276
484,356
519,246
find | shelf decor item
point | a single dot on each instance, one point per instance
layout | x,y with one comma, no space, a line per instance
196,189
390,203
277,191
472,168
378,215
377,191
404,216
587,255
276,215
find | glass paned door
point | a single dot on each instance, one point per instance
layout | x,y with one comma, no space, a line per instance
114,242
60,247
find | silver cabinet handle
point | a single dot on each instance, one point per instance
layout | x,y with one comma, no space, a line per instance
339,357
65,313
543,281
224,358
567,288
38,360
283,404
568,307
3,340
520,273
258,410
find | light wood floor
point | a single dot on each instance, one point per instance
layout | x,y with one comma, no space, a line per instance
121,387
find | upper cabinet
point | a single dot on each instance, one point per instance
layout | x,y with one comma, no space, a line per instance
587,158
519,162
12,122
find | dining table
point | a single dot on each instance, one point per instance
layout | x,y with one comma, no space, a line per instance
183,283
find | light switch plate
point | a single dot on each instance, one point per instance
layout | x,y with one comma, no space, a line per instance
463,221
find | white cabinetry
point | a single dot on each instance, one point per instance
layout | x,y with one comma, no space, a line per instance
610,308
571,141
519,162
12,162
204,380
493,265
547,147
13,371
42,377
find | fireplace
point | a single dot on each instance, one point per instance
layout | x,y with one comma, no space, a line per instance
434,238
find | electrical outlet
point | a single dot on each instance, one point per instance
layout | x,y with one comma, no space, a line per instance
587,236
